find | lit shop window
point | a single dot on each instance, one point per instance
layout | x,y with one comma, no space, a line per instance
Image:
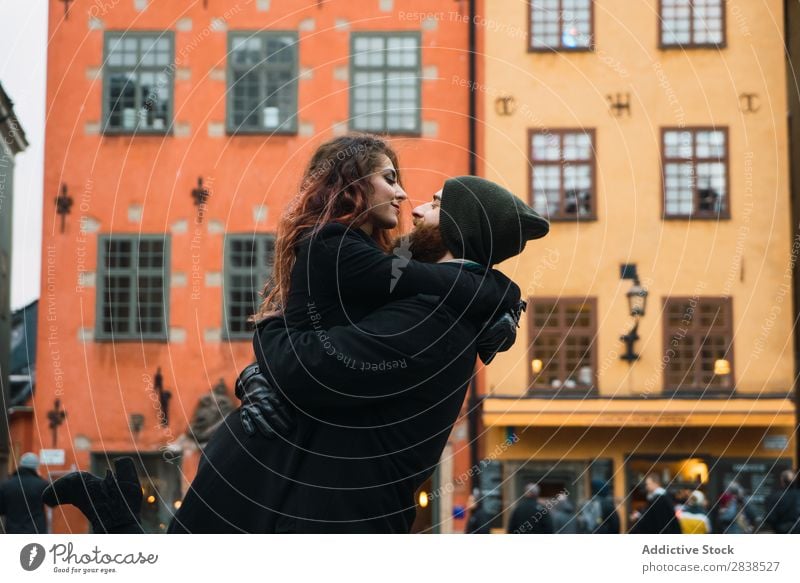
698,344
562,350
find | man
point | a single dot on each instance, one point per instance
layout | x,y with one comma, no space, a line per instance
375,412
530,517
659,516
783,506
21,498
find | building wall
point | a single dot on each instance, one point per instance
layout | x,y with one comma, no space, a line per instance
142,184
6,217
746,257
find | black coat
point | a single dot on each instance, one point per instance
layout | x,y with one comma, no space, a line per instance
530,517
658,518
783,511
21,502
375,401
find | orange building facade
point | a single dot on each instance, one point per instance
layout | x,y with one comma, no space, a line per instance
176,133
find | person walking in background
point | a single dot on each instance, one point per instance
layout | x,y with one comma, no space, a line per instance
599,514
565,521
21,498
692,517
530,517
783,506
478,519
659,515
734,515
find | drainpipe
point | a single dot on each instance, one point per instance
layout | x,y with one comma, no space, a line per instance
473,96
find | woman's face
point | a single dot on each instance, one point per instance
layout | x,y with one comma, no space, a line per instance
387,194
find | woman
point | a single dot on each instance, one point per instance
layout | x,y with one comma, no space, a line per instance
331,268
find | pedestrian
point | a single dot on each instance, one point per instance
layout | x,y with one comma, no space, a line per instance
734,515
479,521
564,519
658,517
783,506
692,516
601,516
529,516
21,498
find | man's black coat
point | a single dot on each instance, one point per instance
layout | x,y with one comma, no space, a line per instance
530,517
659,517
21,502
368,434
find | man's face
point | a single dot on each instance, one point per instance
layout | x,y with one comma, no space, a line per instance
650,485
428,214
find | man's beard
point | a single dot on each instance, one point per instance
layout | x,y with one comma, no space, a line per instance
424,243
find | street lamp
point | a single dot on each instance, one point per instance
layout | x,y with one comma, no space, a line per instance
637,305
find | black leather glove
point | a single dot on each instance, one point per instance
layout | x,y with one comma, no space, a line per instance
501,334
264,409
111,504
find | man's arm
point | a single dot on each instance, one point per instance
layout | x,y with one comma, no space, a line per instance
393,349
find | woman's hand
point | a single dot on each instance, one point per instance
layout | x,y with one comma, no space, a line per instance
264,409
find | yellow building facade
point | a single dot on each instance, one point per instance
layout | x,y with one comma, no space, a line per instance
654,136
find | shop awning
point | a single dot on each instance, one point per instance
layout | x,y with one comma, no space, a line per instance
519,412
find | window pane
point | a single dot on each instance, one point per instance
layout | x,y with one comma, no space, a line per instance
138,88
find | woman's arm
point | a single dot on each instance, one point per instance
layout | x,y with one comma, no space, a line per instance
392,350
361,269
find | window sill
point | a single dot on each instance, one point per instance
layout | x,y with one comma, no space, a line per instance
558,50
698,393
130,339
704,217
237,133
551,393
575,219
398,133
133,133
690,46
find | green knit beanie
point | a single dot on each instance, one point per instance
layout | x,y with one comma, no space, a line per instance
482,221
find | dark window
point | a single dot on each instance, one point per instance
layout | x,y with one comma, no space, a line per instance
262,96
137,82
248,266
563,174
561,25
692,23
695,173
133,280
563,352
385,86
698,344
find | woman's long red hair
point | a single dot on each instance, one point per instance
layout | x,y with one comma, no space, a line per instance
335,188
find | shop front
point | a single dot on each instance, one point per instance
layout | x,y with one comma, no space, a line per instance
565,445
